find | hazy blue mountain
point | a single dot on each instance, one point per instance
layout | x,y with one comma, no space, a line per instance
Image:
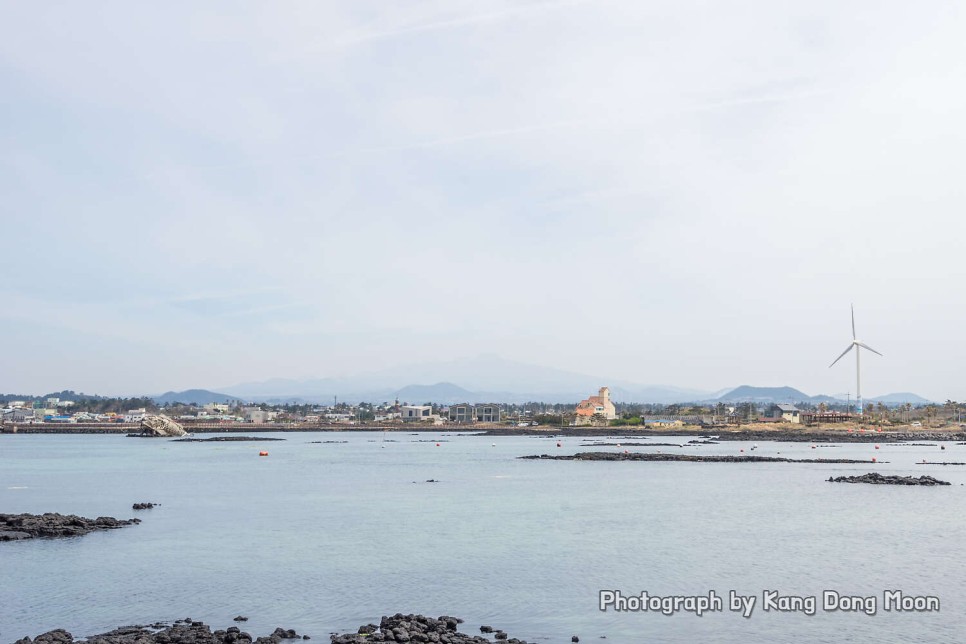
490,377
899,398
748,393
193,396
441,392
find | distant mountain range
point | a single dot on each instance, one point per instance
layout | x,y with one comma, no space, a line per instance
765,395
489,378
194,397
486,378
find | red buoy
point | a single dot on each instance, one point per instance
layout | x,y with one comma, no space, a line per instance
559,444
437,444
877,447
263,453
873,459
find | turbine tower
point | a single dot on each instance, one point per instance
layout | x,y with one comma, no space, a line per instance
857,346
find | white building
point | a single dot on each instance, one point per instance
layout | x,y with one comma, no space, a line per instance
135,415
415,412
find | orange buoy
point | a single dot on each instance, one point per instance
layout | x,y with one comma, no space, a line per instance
263,453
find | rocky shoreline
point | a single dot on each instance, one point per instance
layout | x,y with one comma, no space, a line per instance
419,628
395,628
874,478
16,527
691,458
745,433
183,631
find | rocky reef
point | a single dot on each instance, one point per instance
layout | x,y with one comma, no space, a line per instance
184,631
874,478
641,456
397,628
419,628
14,527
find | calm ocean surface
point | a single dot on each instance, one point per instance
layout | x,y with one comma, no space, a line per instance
324,537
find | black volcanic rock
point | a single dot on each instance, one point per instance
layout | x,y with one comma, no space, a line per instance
181,632
416,628
874,478
52,524
691,458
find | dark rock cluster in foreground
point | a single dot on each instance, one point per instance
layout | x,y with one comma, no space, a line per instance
642,456
878,479
419,628
14,527
398,628
181,632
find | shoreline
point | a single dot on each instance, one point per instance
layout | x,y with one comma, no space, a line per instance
395,628
822,434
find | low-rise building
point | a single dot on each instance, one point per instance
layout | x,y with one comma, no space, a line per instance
789,413
135,415
462,413
18,415
411,413
599,405
487,413
256,415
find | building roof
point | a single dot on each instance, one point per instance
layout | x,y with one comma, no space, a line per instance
787,408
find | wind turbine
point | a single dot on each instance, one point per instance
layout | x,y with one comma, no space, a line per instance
858,376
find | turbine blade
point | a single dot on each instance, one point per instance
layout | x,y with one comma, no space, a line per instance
841,356
865,346
853,321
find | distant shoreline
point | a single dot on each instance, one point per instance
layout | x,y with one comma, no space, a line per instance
822,434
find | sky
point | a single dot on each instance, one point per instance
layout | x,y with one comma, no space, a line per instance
681,193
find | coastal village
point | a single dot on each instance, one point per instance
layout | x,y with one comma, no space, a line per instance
598,410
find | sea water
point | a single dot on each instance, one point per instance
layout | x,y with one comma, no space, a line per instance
323,537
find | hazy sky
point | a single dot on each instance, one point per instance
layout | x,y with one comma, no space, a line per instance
684,193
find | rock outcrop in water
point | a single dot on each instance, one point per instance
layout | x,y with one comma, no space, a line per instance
398,628
14,527
181,632
875,478
160,426
417,628
642,456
